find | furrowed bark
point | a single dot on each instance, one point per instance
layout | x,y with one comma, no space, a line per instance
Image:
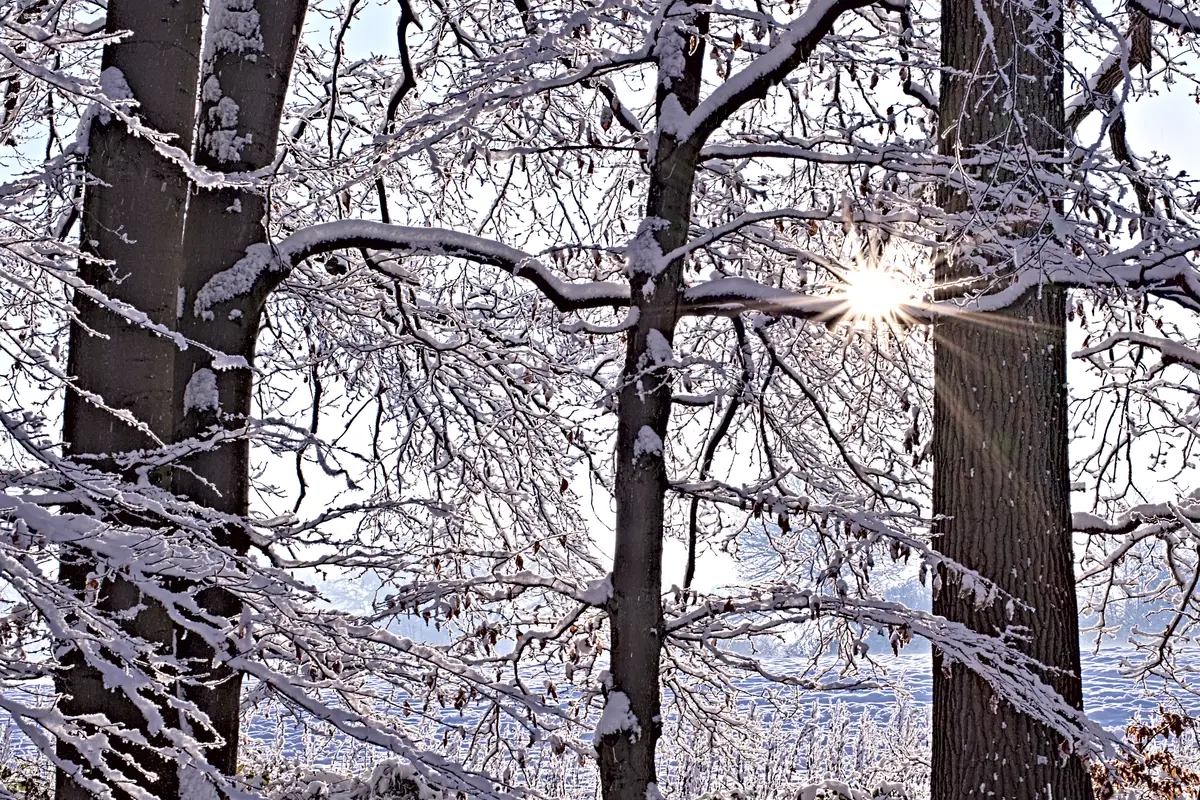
133,216
1001,481
627,770
221,224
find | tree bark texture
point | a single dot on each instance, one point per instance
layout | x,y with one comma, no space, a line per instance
132,224
165,239
221,224
627,768
1001,471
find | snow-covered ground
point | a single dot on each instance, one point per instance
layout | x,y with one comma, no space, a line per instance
872,738
1110,698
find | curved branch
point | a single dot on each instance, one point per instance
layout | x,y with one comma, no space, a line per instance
1174,18
1172,352
1170,276
408,80
330,236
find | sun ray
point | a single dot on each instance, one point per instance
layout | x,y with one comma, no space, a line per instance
876,295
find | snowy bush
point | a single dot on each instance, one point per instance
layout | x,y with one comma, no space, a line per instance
1163,762
827,789
389,780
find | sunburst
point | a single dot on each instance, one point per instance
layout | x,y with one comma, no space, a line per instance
877,295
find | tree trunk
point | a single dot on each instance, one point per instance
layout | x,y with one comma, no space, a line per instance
1001,477
132,215
167,242
627,769
221,224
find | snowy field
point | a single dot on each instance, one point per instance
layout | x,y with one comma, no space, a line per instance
1109,698
872,737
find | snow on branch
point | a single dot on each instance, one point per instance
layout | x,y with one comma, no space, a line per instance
120,107
795,45
728,295
283,255
1172,352
1152,517
732,295
1013,675
1174,18
1099,84
1172,273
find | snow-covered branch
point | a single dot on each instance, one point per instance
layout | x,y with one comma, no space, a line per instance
327,237
796,43
1170,15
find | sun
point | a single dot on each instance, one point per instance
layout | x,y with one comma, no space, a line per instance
873,294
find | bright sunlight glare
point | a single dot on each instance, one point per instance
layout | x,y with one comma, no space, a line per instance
876,294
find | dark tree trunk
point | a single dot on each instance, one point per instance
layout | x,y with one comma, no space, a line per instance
167,240
221,224
635,611
132,215
1001,477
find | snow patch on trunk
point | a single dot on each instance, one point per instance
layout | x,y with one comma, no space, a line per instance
233,27
201,392
193,786
115,88
598,592
659,348
618,718
643,254
648,445
222,138
670,51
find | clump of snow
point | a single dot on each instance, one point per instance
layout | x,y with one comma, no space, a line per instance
193,786
114,85
233,27
389,780
226,144
237,280
115,88
224,114
672,119
659,348
669,52
393,779
652,792
648,444
833,790
983,594
210,92
598,592
618,718
643,256
220,131
201,392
